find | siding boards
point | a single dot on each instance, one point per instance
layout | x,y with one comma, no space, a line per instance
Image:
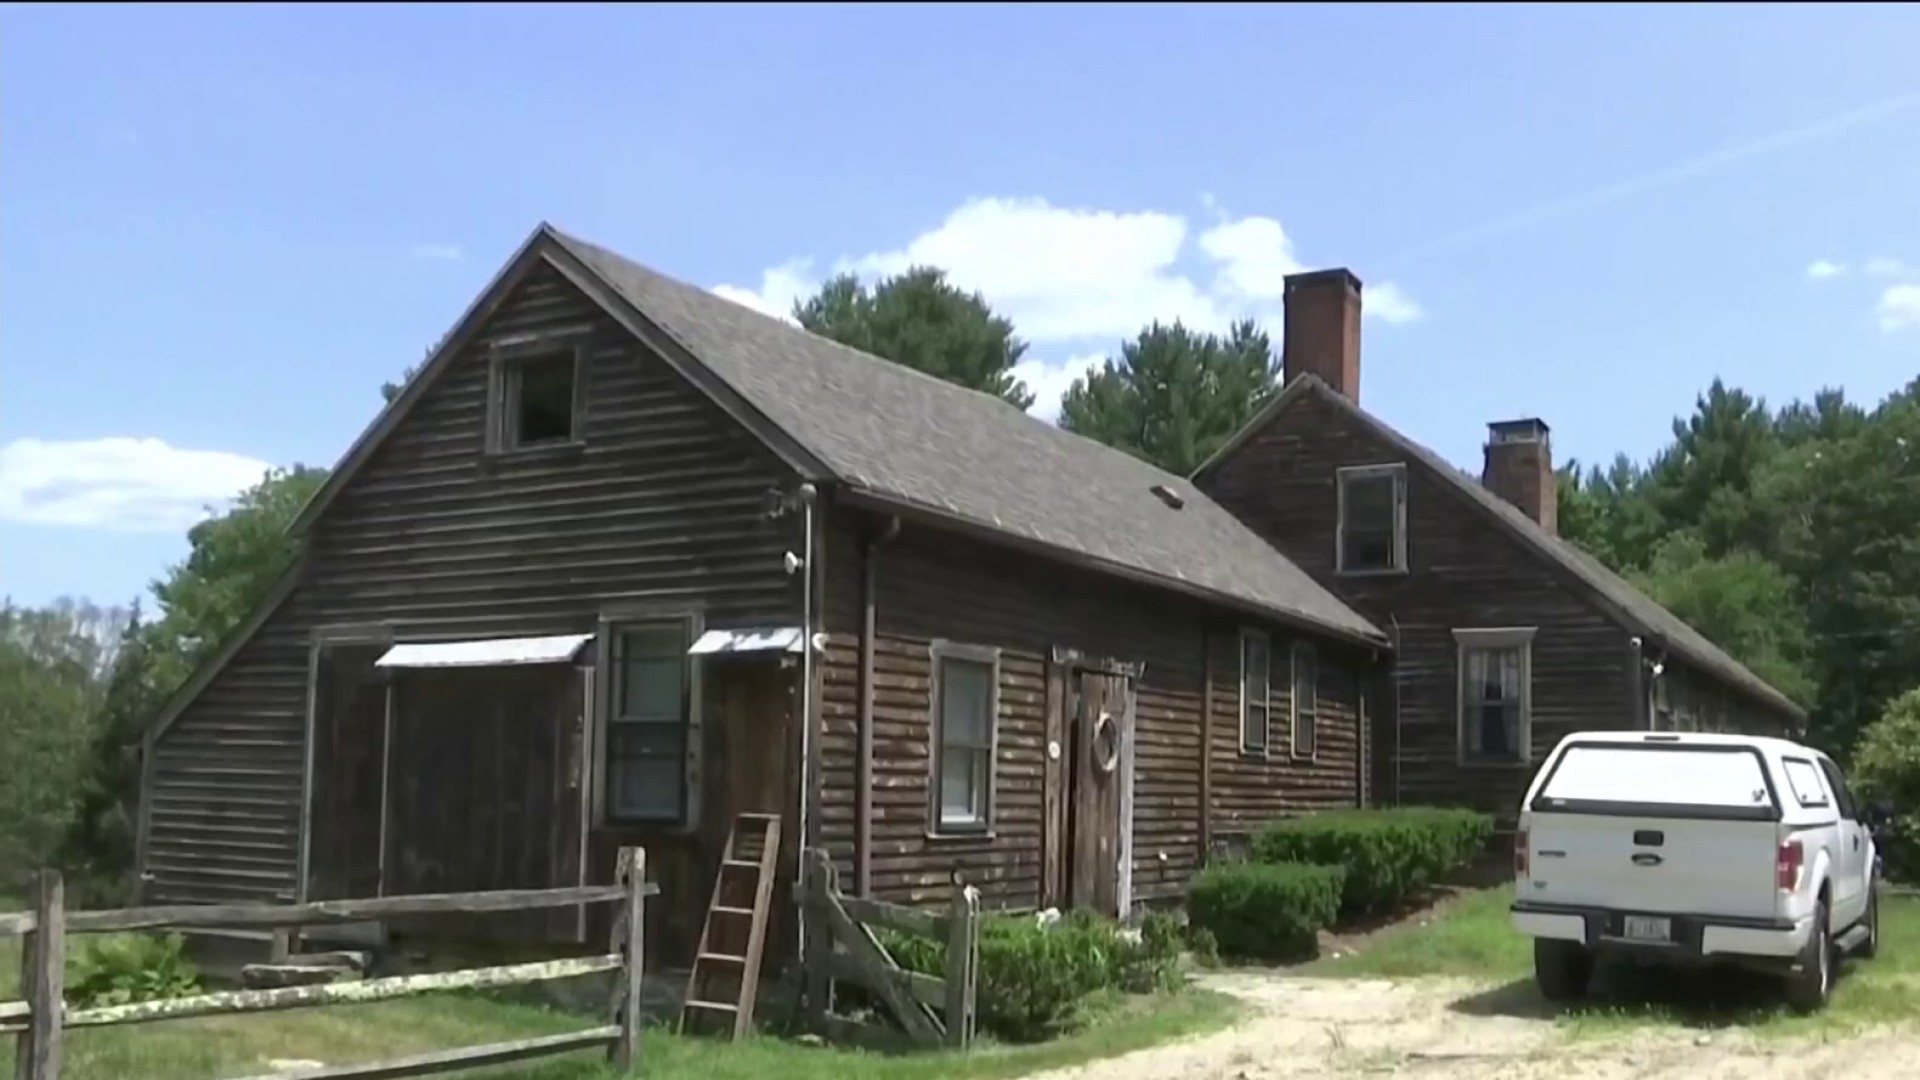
932,586
663,503
1464,572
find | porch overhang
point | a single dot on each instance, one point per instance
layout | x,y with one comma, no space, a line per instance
753,639
485,652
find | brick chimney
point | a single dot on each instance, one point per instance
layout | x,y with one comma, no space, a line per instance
1322,334
1520,469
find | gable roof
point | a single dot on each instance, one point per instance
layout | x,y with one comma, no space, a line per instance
1632,607
895,436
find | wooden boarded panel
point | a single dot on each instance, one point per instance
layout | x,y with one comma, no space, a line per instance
349,721
476,800
1097,769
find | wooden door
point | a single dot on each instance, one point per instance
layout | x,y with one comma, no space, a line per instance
485,790
1098,769
348,733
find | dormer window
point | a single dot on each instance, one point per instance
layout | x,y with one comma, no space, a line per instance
536,398
1372,534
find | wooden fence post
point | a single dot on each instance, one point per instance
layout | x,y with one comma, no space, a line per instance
963,962
43,968
629,940
816,938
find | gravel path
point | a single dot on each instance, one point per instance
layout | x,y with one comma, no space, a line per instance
1438,1029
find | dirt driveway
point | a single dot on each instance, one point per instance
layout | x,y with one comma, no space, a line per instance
1437,1029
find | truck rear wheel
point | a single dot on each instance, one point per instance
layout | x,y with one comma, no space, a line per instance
1871,947
1811,987
1562,969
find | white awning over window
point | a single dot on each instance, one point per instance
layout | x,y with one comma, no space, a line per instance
489,652
749,640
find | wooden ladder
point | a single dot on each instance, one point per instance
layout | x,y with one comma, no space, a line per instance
738,865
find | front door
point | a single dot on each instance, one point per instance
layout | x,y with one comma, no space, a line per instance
1097,775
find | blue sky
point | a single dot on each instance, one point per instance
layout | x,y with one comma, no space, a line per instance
222,229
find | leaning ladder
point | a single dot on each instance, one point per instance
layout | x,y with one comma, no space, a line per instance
739,864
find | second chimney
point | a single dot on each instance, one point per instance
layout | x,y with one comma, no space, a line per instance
1520,469
1322,332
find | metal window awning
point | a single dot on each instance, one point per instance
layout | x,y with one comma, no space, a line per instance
487,652
755,639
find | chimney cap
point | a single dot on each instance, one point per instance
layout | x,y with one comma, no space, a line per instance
1307,279
1531,429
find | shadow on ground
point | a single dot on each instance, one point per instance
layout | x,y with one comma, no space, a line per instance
1706,999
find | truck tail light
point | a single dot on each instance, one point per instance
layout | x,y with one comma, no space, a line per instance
1520,854
1787,864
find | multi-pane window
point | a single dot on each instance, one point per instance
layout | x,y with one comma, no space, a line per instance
1495,694
1256,681
1372,531
964,715
1306,700
648,706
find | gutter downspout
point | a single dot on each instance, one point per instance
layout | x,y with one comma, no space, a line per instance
806,496
863,796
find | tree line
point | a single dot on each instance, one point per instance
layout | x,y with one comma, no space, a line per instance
1790,536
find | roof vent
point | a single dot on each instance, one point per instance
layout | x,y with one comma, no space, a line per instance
1169,496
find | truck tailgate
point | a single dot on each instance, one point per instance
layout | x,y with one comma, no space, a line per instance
1659,865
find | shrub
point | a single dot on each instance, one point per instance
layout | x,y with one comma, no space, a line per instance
1886,769
1270,911
1388,855
125,968
1033,977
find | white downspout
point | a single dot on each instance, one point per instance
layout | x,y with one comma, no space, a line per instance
806,495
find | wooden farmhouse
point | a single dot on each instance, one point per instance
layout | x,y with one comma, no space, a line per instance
626,558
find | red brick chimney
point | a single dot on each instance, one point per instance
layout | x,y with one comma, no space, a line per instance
1322,334
1520,469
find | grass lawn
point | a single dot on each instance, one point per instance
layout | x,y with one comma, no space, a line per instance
1473,939
208,1049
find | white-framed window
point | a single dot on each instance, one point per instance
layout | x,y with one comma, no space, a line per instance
1371,534
1496,695
1256,685
965,726
1305,700
536,396
649,749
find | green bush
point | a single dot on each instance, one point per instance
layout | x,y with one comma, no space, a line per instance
1033,978
1886,769
1388,855
125,968
1268,911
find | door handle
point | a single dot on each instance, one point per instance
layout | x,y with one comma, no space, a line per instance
1856,843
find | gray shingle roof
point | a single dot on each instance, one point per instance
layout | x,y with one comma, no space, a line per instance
911,438
1647,615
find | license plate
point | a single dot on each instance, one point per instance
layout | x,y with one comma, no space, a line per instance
1648,928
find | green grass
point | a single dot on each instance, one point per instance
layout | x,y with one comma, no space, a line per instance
206,1049
1474,940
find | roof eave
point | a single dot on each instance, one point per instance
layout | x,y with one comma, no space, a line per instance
946,520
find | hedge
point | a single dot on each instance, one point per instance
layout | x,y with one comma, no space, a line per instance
1266,911
1388,855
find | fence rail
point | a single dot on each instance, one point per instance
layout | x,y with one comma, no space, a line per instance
842,947
39,1021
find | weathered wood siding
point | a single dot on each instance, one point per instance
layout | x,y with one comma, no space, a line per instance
932,586
1464,572
663,503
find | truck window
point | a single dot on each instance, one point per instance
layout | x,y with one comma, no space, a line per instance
1804,779
1840,792
1713,781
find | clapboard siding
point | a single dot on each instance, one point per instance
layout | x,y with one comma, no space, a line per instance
931,586
664,502
1464,572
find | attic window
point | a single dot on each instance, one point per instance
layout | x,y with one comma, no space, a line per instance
536,400
1371,535
1169,496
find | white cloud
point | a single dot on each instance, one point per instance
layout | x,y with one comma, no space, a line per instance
1884,267
1820,269
1072,277
121,483
1049,382
1899,308
437,252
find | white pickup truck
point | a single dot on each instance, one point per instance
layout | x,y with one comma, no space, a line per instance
1689,849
